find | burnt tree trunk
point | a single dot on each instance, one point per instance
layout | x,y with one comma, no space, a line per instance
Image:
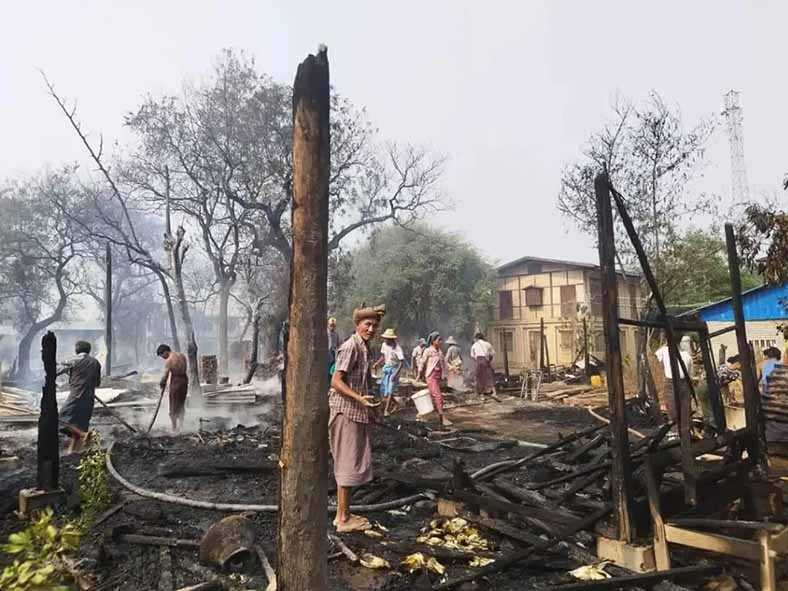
621,473
108,311
303,504
47,448
165,290
223,333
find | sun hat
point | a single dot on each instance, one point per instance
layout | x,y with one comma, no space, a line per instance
389,334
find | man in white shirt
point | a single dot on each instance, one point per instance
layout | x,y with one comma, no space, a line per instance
392,358
663,356
415,357
482,353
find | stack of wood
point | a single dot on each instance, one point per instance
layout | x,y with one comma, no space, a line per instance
209,369
15,402
229,394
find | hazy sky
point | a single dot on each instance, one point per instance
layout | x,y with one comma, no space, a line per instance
508,90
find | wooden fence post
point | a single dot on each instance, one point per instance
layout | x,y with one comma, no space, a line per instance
48,450
586,353
756,448
303,502
621,471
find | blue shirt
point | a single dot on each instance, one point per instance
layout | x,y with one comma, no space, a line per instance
768,368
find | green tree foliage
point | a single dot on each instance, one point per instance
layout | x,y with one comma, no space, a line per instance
428,279
696,269
651,157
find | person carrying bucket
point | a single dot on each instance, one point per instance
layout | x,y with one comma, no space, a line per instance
433,369
393,359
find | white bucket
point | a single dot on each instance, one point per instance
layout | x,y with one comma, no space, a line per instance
423,402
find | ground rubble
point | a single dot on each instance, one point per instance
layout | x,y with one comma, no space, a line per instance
533,499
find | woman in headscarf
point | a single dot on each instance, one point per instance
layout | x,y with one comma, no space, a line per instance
433,370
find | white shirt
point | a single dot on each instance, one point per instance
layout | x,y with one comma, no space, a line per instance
392,355
482,348
663,356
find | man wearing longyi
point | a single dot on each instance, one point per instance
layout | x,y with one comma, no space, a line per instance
351,412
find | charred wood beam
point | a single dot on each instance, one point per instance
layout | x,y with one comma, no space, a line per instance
513,558
490,503
701,572
621,472
752,398
722,331
678,324
48,450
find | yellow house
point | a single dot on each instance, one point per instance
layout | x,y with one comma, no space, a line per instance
561,293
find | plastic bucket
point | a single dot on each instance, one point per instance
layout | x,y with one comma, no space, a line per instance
423,402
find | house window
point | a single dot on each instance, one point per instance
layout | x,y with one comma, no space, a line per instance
534,347
533,297
633,300
568,301
599,343
505,307
567,339
595,287
507,341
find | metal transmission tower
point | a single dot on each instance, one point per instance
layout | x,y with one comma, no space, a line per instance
740,190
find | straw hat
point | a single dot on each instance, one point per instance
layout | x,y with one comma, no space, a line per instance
451,341
389,334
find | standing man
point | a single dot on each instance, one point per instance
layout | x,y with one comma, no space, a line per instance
350,415
663,356
84,376
415,356
333,344
175,370
453,356
482,354
772,358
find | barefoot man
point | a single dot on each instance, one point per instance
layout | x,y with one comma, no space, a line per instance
175,370
84,376
351,414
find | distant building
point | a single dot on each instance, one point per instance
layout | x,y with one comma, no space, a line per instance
561,293
765,308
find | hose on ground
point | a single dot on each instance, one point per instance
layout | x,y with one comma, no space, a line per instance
238,507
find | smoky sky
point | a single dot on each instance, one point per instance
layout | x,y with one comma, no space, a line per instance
509,91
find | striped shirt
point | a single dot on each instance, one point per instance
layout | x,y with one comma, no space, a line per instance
353,359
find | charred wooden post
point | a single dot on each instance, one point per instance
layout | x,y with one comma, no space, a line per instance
756,448
712,385
621,473
541,345
505,358
48,448
586,354
108,311
303,504
682,406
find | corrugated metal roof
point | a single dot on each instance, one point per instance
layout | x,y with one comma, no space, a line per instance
529,259
760,303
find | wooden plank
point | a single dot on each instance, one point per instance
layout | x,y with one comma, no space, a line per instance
661,552
713,542
703,523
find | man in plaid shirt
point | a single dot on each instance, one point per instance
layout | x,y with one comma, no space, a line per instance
350,416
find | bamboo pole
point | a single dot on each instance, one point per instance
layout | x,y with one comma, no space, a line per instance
303,520
108,311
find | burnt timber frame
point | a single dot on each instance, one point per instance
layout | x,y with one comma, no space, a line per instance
621,481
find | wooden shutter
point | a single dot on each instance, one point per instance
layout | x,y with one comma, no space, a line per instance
505,307
533,296
568,301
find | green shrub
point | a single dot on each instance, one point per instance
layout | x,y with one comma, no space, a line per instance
40,556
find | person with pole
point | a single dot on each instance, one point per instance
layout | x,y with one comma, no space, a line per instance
351,414
84,376
175,366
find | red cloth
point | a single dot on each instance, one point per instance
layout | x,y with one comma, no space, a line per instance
485,378
434,387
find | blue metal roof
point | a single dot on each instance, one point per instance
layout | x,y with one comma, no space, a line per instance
760,303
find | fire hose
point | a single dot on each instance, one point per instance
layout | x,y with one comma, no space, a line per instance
164,497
